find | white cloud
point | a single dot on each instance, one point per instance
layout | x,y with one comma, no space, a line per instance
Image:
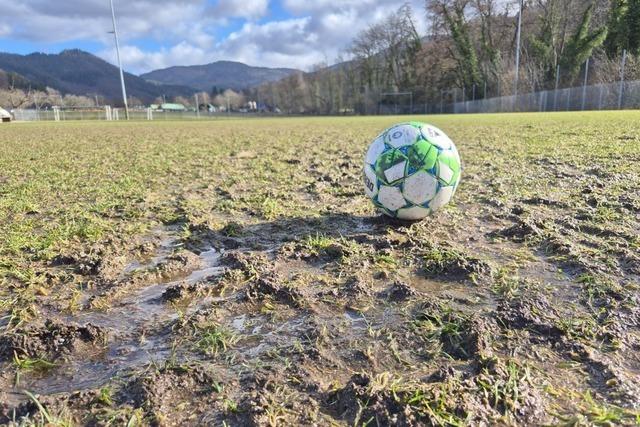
54,22
5,30
182,31
250,9
133,58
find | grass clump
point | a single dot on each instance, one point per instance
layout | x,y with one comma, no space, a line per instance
446,332
27,364
214,339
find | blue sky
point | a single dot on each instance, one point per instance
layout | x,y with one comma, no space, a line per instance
161,33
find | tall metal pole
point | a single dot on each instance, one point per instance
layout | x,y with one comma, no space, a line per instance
621,90
197,106
584,85
515,91
124,89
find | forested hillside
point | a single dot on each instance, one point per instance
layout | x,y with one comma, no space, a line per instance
469,52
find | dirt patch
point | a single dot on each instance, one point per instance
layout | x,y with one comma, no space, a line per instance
452,333
398,291
50,341
450,264
174,395
531,312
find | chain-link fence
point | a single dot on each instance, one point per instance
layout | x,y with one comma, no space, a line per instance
107,113
607,96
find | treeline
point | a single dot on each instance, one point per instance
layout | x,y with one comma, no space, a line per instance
19,92
468,53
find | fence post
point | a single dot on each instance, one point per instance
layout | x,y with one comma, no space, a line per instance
621,91
584,85
555,93
600,98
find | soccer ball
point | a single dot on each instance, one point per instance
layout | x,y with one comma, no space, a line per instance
411,170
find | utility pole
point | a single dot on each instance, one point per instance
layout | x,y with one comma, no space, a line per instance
124,89
518,49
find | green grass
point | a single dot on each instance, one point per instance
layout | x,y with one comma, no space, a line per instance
566,185
214,339
28,364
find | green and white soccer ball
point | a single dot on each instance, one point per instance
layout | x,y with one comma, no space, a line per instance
411,170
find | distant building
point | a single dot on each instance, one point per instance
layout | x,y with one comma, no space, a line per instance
168,107
4,115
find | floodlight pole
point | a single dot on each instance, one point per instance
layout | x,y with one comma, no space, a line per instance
115,34
515,92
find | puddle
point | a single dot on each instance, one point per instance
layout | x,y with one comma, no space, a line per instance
356,319
137,327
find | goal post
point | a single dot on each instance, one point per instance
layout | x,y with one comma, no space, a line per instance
395,103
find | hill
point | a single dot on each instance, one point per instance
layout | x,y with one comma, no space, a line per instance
81,73
221,74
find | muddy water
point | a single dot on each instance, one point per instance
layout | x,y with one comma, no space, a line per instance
138,329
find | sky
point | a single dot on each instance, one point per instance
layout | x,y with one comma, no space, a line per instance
156,34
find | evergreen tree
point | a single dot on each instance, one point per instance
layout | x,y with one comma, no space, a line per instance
633,26
467,59
581,45
618,28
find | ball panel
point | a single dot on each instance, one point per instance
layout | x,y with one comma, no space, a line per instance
374,151
448,166
442,198
445,173
420,187
391,198
436,137
370,182
387,161
422,155
402,135
395,172
413,213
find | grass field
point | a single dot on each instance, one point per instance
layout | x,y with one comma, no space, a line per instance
233,272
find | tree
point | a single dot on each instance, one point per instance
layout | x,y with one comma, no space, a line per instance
15,98
79,101
450,17
386,52
229,98
182,100
580,46
624,28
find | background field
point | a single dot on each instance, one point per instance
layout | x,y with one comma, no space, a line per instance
233,271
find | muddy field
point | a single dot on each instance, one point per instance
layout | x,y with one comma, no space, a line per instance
233,273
